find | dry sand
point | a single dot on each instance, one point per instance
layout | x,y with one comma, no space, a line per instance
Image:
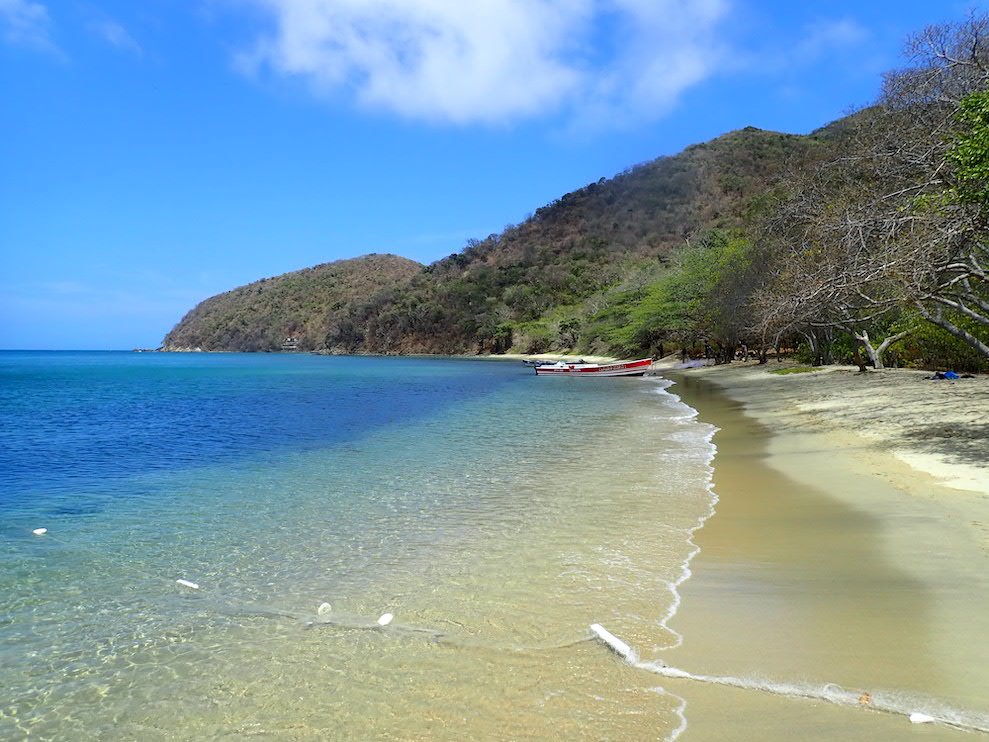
920,435
849,547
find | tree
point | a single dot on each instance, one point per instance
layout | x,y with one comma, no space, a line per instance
824,272
895,217
569,332
704,298
945,98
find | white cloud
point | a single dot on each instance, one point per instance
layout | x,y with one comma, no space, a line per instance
827,36
116,35
786,55
25,23
664,47
493,61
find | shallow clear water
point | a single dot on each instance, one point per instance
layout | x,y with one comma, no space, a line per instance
496,515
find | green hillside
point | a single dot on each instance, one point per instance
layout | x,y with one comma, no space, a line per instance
301,305
513,289
537,285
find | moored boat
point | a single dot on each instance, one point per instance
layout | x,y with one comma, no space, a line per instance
618,368
531,362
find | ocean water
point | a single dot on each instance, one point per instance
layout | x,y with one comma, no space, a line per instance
494,514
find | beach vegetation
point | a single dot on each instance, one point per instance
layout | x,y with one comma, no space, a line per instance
701,300
569,332
891,221
931,347
535,337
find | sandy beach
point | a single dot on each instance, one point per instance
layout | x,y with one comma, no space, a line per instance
845,575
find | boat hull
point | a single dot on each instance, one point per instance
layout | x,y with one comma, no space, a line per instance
595,370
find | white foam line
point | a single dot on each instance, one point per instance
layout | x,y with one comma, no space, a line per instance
879,700
685,572
681,712
688,415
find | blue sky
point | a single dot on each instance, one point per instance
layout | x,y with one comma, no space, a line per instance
157,152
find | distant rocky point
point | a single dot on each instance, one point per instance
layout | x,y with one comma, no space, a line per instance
291,312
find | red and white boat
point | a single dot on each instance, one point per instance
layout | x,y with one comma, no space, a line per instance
570,368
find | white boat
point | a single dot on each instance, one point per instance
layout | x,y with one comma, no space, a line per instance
618,368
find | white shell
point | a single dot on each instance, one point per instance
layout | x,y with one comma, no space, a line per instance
186,583
918,718
39,531
385,619
323,609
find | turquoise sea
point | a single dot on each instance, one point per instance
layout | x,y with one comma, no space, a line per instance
496,515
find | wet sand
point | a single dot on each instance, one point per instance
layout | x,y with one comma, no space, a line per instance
819,569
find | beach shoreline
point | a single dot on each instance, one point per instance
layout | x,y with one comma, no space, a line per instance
838,557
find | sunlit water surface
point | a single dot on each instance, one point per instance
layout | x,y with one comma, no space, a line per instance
496,515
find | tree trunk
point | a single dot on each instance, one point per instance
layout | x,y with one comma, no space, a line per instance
874,358
888,342
827,347
821,343
857,360
876,354
812,341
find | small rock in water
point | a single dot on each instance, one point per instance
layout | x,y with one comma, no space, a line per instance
39,531
323,609
918,718
385,619
188,584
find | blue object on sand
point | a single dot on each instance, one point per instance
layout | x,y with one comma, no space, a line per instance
950,375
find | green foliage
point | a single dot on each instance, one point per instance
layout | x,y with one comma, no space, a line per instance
804,354
569,332
694,301
843,348
598,331
535,337
833,347
503,337
929,346
305,305
970,152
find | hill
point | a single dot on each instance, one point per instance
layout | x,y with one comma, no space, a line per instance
536,286
301,305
